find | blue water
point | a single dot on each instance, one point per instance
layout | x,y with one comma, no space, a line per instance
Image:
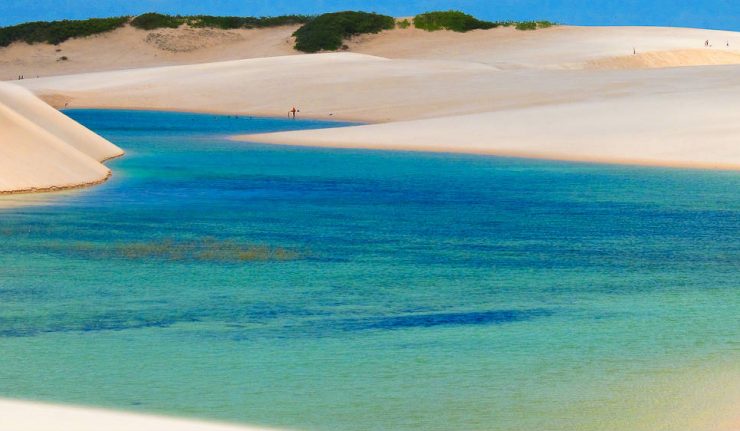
324,289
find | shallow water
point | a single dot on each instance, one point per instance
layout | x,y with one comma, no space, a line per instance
325,289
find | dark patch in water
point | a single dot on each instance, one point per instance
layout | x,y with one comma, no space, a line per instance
493,317
103,323
203,249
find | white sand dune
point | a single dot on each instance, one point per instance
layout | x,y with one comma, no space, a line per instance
561,47
42,149
128,48
31,416
654,131
663,59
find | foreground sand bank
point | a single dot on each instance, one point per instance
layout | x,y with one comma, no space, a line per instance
32,416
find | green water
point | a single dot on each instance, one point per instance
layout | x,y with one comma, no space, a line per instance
324,289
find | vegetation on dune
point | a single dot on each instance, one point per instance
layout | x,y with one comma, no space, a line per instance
451,20
533,25
232,22
153,21
461,22
56,32
327,32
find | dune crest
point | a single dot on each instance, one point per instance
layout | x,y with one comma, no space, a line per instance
41,149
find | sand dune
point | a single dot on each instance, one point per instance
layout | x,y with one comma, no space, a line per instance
663,59
29,416
365,88
612,109
128,48
650,131
561,47
41,149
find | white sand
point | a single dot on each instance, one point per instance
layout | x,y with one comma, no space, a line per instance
560,48
657,130
572,93
128,48
42,149
31,416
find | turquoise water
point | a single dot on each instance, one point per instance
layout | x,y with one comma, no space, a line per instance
325,289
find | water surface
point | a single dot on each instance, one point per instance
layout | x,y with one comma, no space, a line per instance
324,289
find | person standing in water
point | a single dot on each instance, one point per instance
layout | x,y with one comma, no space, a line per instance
292,111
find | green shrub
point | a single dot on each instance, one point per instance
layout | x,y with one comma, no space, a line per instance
234,22
277,21
451,20
328,31
56,32
462,22
324,32
533,25
152,21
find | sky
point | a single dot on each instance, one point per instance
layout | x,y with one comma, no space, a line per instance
716,14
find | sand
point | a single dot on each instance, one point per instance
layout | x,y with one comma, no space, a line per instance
42,149
31,416
645,133
559,48
129,48
569,93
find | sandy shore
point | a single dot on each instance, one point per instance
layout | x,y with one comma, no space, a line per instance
32,416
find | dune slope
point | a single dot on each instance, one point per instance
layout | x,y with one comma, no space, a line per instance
41,149
644,132
129,47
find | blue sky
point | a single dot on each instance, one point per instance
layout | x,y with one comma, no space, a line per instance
721,14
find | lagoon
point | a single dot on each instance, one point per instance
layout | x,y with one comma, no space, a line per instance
324,289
